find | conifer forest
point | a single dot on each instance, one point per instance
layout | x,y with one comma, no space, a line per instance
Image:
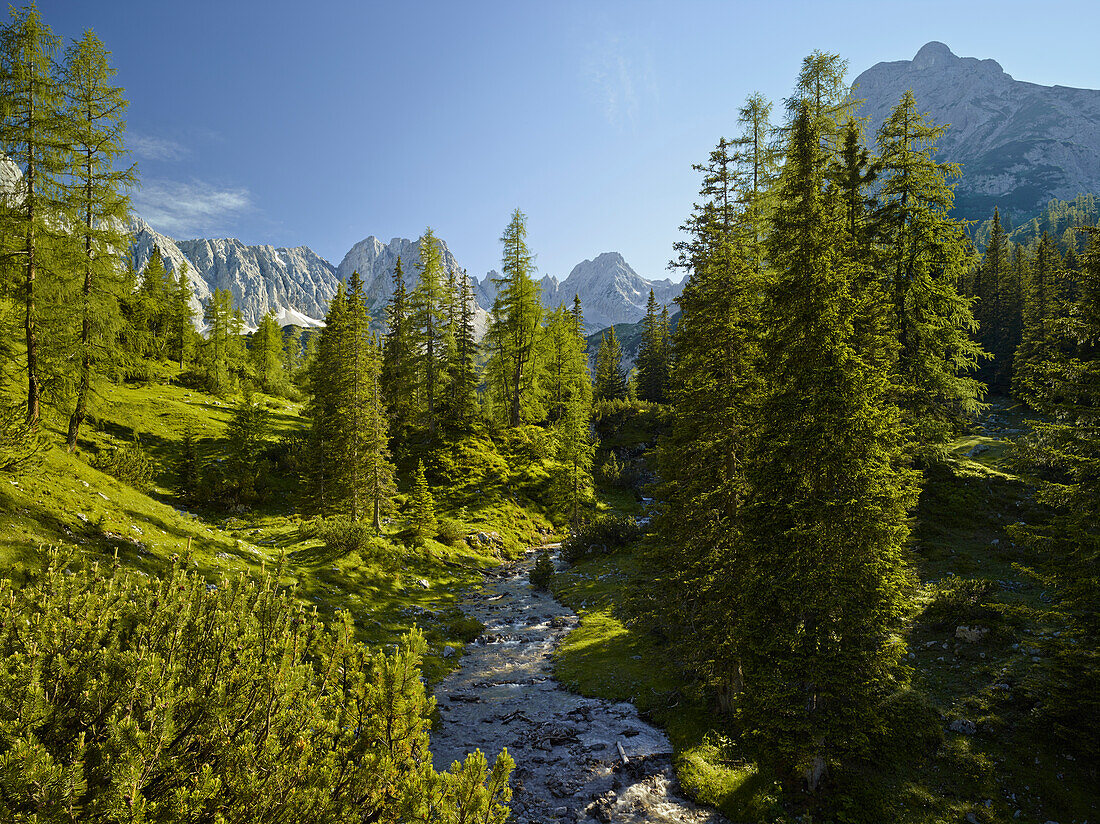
816,541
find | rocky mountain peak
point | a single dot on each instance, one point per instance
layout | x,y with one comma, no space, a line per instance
1019,144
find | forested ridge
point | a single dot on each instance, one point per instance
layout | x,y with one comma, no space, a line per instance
233,562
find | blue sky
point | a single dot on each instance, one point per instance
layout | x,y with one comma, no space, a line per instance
321,123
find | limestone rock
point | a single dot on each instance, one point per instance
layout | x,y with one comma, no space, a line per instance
1020,144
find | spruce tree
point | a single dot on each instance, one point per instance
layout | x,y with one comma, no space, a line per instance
266,354
97,204
514,333
34,134
325,379
610,380
816,576
652,359
464,370
423,505
428,320
1064,448
924,255
1039,345
399,356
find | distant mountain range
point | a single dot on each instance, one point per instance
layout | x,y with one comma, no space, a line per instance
298,284
1020,144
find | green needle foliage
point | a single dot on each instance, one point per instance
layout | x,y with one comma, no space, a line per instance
925,255
610,379
1066,449
33,133
164,700
513,337
818,579
97,204
423,505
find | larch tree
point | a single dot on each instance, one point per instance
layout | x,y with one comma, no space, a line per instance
34,134
514,333
97,202
266,354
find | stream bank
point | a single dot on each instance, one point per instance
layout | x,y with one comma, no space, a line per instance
577,759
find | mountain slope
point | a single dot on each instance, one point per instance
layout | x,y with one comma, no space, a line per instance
376,261
1020,144
296,284
611,292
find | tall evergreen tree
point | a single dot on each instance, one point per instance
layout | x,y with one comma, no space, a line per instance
513,335
34,135
610,380
182,330
924,255
222,346
399,355
266,354
97,202
325,384
563,352
1039,345
428,320
1065,449
817,577
423,505
352,470
653,358
465,371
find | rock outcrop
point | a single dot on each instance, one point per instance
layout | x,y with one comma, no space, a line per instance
610,291
296,284
1020,144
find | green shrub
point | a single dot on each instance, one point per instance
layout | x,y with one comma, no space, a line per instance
604,534
159,700
450,532
542,573
128,463
960,601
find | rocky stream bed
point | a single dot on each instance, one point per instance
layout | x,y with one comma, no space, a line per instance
577,759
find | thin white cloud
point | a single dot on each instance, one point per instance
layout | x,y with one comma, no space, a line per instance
622,82
187,210
148,147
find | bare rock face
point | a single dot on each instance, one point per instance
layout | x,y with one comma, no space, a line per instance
1020,144
296,284
610,291
376,261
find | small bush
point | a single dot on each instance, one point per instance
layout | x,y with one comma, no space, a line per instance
604,534
450,532
960,601
128,463
343,537
464,628
542,573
